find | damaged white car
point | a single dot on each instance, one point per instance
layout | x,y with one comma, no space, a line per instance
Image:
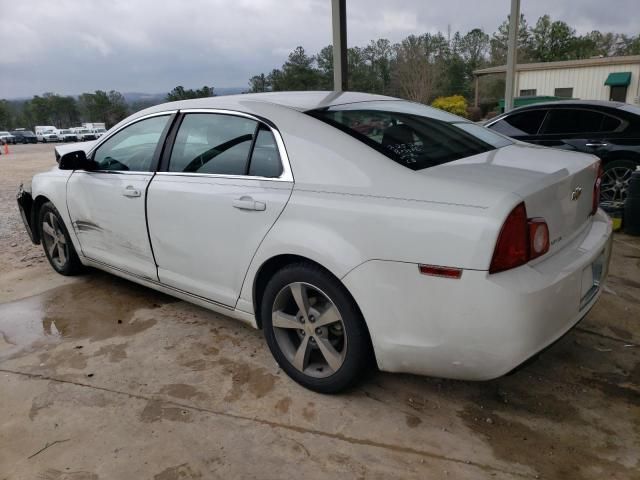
346,226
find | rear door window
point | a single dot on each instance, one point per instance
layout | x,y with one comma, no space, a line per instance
265,159
576,121
520,124
213,143
414,136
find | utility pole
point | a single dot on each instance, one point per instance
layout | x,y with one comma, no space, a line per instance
512,54
339,21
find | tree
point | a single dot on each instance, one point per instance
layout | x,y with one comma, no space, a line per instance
6,115
297,73
551,41
473,48
378,55
259,83
101,106
629,45
414,75
500,40
324,61
179,93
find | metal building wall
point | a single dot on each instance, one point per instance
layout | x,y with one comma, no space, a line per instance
587,82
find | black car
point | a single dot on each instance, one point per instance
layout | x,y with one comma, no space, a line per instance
610,130
24,136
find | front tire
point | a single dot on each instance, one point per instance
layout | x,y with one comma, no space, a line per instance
314,328
56,242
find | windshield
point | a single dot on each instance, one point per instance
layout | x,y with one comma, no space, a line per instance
411,134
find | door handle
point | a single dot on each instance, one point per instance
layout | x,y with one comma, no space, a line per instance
247,203
131,191
596,144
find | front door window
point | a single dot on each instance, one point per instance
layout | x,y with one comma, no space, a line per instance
132,148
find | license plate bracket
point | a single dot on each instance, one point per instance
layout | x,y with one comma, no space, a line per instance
591,278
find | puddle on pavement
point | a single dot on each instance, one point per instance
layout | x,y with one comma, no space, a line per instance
97,307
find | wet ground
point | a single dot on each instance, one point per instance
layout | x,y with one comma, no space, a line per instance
104,379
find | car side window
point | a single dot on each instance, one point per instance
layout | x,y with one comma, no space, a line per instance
213,143
520,124
265,159
565,120
609,124
132,148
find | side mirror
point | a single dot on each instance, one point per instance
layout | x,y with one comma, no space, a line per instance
76,161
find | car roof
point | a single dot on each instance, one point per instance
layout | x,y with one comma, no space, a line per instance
300,101
573,103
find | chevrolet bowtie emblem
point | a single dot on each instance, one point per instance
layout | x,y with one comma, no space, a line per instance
575,195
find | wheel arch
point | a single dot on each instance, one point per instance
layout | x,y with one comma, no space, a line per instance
35,214
621,155
277,262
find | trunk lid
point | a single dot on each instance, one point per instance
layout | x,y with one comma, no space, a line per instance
554,185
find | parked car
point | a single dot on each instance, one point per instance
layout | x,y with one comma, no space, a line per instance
610,130
6,137
84,134
99,132
47,137
24,136
437,247
39,129
67,135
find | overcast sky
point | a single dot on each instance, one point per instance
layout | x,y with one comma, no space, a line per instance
72,46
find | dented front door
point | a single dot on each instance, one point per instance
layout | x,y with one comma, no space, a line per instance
108,215
107,204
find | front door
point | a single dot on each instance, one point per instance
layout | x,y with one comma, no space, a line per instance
223,189
107,204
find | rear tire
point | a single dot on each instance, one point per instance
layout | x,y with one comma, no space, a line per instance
615,179
56,242
319,338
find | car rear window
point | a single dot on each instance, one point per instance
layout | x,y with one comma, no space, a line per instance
411,134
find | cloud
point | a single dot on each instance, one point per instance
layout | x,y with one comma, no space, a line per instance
151,46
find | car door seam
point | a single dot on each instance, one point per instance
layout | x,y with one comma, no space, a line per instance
244,279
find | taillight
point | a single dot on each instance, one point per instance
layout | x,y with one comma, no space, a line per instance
595,202
520,240
512,248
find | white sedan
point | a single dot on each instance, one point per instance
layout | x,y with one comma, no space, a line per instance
346,226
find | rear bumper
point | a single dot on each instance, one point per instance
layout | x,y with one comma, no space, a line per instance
480,326
25,205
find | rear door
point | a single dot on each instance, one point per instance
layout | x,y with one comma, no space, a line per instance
107,205
576,129
225,182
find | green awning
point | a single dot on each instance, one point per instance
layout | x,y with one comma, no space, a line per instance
618,79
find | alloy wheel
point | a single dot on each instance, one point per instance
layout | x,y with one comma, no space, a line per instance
309,330
615,181
54,240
